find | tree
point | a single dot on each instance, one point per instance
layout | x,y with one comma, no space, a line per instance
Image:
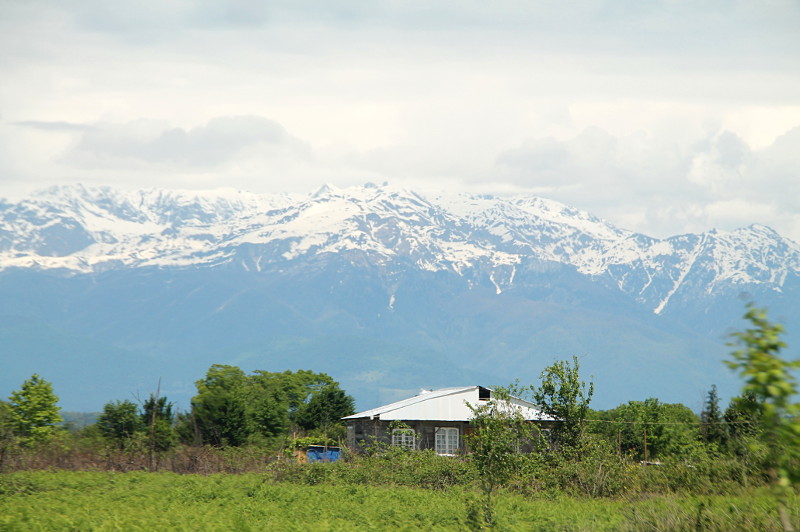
232,408
712,430
218,408
119,421
743,416
157,418
768,377
671,429
34,410
296,388
743,424
565,397
326,407
499,431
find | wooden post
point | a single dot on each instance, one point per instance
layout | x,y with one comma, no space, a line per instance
645,446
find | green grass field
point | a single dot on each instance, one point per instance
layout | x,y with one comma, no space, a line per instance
165,501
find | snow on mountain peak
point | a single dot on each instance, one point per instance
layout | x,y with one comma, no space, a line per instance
325,190
86,229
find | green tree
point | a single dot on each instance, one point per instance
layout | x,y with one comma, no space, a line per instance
667,429
34,410
157,418
712,430
326,407
565,397
186,429
296,388
743,424
743,416
232,408
500,430
769,379
156,408
119,421
219,408
268,405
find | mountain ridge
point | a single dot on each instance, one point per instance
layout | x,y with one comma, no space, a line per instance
386,289
85,230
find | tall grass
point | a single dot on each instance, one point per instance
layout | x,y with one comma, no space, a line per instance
42,500
97,488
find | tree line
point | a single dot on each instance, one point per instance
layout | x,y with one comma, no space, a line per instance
231,408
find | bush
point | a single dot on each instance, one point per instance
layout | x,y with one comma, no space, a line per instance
592,469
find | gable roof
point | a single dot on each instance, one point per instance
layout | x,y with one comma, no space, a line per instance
444,404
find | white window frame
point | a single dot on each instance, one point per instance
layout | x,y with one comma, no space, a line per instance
405,438
447,440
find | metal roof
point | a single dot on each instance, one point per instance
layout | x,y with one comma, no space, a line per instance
444,404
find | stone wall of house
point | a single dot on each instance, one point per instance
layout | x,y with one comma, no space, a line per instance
363,433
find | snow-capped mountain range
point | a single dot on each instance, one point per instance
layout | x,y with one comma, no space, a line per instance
480,238
104,292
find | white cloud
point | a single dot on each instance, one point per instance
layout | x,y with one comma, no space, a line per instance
636,181
205,147
655,115
739,212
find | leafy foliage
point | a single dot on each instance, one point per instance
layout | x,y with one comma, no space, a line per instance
131,428
157,417
119,421
218,409
328,406
742,418
671,429
594,470
46,500
769,379
499,431
233,408
565,397
34,410
712,430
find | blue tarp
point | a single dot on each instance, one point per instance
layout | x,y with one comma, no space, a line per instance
322,454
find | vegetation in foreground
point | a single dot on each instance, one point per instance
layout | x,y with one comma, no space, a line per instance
62,500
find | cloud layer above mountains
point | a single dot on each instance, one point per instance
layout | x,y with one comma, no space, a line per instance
662,117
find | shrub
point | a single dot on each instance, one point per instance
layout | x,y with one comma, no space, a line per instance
592,469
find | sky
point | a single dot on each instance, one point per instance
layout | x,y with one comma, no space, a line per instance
662,117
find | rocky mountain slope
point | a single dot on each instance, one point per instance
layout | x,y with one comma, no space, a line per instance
90,230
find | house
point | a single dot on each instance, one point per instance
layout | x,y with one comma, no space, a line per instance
433,419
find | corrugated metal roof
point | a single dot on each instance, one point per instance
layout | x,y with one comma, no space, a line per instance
444,404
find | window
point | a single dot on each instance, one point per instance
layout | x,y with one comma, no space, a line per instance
405,438
446,440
